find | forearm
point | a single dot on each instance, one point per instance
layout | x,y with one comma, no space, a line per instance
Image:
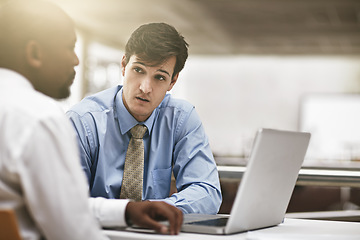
197,198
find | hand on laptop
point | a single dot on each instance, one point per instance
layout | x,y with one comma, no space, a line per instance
147,214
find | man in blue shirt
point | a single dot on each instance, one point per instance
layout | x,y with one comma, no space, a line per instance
175,140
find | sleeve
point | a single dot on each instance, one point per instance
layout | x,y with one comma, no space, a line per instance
195,171
54,186
86,142
109,212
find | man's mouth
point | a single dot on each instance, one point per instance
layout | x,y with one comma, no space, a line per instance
142,99
72,76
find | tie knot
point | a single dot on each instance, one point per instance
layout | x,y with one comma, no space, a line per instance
138,131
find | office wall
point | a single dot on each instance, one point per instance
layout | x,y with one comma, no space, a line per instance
235,95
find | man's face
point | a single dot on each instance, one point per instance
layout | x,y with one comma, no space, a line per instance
58,63
145,86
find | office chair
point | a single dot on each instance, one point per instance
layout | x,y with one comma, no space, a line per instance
8,225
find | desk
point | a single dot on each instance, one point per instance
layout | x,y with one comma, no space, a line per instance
291,229
347,215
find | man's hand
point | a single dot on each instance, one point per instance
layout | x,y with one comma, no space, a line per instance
147,214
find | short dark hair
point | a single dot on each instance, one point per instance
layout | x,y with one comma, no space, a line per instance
155,42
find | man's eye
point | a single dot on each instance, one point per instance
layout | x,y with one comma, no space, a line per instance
137,69
160,77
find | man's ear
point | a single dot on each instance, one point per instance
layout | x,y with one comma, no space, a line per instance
173,81
33,54
123,65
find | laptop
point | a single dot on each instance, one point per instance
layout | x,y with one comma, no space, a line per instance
265,189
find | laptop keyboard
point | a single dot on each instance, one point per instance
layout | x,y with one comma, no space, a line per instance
217,222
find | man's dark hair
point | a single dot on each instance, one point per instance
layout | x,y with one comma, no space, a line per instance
154,43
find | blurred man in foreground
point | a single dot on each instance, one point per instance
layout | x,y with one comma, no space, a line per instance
40,175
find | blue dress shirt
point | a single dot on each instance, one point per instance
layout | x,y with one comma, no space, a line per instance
175,141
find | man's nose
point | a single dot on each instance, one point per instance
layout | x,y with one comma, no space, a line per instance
145,85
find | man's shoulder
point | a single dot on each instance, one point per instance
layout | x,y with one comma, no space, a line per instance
97,102
175,104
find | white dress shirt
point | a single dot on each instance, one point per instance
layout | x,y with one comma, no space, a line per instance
40,174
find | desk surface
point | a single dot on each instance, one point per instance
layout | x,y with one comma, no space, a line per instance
291,229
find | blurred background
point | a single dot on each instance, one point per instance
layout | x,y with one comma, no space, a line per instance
284,64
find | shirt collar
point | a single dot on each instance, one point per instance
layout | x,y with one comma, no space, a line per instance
126,120
10,78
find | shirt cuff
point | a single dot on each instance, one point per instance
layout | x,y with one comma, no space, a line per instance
109,212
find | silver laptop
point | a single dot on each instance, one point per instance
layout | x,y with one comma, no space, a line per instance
266,186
